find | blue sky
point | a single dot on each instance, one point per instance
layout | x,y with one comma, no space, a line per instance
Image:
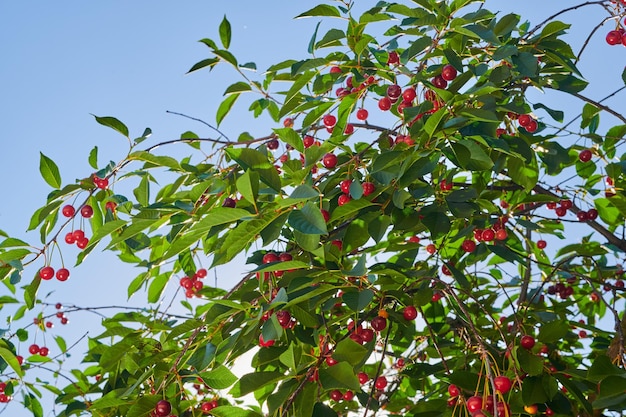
62,61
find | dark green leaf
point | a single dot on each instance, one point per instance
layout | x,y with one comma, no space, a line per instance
113,123
308,220
340,376
225,32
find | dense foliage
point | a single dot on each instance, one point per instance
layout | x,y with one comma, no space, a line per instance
398,225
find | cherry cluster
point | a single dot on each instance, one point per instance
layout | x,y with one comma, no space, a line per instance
194,283
4,397
563,206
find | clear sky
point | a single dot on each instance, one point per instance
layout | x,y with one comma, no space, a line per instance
61,61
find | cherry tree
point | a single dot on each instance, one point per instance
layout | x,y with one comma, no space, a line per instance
399,227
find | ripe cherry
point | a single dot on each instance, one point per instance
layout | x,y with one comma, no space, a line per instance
68,211
343,199
47,272
527,342
378,323
63,274
439,82
335,70
532,126
488,235
448,72
33,349
453,390
592,214
431,248
308,141
101,183
468,245
614,37
363,378
329,160
348,395
69,238
329,120
393,58
284,318
368,188
524,120
326,215
272,144
86,211
264,343
474,404
585,155
78,234
362,114
503,384
394,91
409,95
384,103
409,313
44,351
82,243
229,203
345,186
162,408
381,383
336,395
270,257
541,244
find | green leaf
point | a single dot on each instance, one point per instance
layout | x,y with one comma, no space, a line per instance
93,158
113,123
203,356
157,286
602,367
238,87
30,292
254,381
219,378
49,171
523,173
532,390
209,62
248,185
232,411
553,331
256,161
555,114
225,32
225,107
311,47
320,10
437,223
340,376
358,300
10,358
351,352
32,403
530,363
309,220
142,192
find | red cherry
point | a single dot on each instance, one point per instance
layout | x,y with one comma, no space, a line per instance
270,257
362,114
63,274
64,320
384,103
585,155
335,70
541,244
33,349
448,72
47,272
560,211
381,383
488,235
468,245
503,384
345,186
197,285
308,141
363,378
162,408
393,58
20,359
592,214
44,351
431,248
474,404
524,120
336,395
201,273
68,211
272,144
348,396
532,126
49,325
409,313
326,215
285,256
409,95
284,318
614,37
453,390
329,160
329,120
78,234
101,183
82,243
368,188
378,323
69,238
439,82
343,199
206,407
394,91
582,216
86,211
527,342
501,234
264,343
